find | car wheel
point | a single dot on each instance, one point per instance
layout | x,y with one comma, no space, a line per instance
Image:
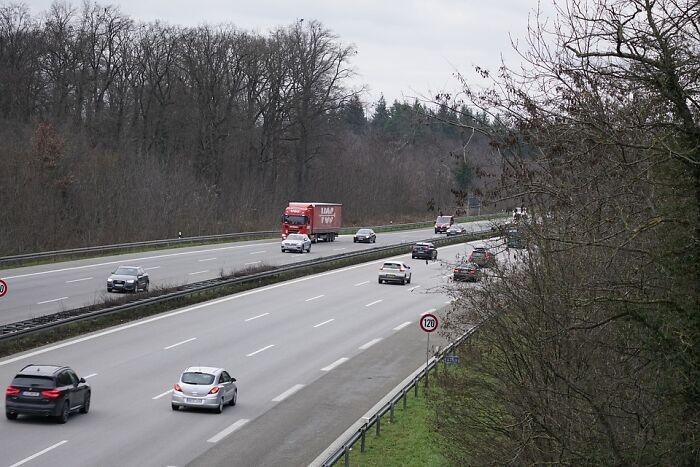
233,399
380,281
65,412
220,408
374,240
148,283
283,250
175,407
354,240
86,405
409,280
403,281
11,415
109,290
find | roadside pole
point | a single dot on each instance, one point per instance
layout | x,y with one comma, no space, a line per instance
428,323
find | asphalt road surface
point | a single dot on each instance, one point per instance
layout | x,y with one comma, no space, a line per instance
40,290
279,341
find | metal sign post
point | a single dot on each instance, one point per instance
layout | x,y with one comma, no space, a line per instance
428,323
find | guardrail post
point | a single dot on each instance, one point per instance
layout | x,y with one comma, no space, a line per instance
347,457
364,432
415,388
405,397
379,422
391,417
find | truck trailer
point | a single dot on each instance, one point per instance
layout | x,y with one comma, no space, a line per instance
320,221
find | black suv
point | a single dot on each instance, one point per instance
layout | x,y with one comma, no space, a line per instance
424,250
46,390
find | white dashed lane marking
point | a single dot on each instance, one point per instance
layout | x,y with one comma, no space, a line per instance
260,350
51,301
80,280
34,456
336,363
325,322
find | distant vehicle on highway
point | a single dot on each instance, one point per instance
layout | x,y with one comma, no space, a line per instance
320,221
296,242
395,271
482,257
128,279
442,223
47,391
456,229
424,250
204,387
365,236
466,272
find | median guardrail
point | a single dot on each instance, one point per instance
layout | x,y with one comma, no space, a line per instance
397,396
15,260
280,273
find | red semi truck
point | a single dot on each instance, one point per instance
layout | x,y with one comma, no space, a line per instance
320,221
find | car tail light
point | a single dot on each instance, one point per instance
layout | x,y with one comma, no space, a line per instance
51,393
177,387
11,391
214,390
456,270
401,269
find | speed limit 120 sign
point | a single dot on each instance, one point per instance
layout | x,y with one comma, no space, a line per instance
3,288
428,322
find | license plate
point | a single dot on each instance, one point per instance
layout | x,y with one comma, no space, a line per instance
30,393
194,401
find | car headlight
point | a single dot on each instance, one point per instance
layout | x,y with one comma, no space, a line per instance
130,281
109,281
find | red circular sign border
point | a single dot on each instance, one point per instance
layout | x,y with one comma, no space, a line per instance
437,322
4,292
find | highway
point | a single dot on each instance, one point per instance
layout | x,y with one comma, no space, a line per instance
40,290
276,340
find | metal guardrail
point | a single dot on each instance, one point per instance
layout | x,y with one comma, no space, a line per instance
103,249
57,319
398,396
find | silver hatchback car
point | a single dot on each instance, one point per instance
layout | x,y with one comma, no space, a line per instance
204,387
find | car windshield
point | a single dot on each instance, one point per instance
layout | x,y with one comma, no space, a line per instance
33,381
364,232
126,271
197,378
478,253
443,220
392,266
294,220
295,237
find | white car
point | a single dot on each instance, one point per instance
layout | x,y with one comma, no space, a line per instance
204,387
395,271
296,242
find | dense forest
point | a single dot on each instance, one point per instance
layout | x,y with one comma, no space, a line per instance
115,130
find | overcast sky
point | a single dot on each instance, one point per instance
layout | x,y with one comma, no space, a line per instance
405,48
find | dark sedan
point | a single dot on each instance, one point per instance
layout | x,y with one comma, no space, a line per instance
365,236
424,250
466,272
128,279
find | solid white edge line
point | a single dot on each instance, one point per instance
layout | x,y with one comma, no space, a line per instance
34,456
374,302
369,344
401,326
336,363
79,280
205,259
256,317
250,264
90,375
314,298
54,300
260,350
362,283
227,431
325,322
432,310
288,393
180,343
198,272
162,395
187,310
256,252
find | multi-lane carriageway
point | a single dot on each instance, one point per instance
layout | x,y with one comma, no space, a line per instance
280,342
